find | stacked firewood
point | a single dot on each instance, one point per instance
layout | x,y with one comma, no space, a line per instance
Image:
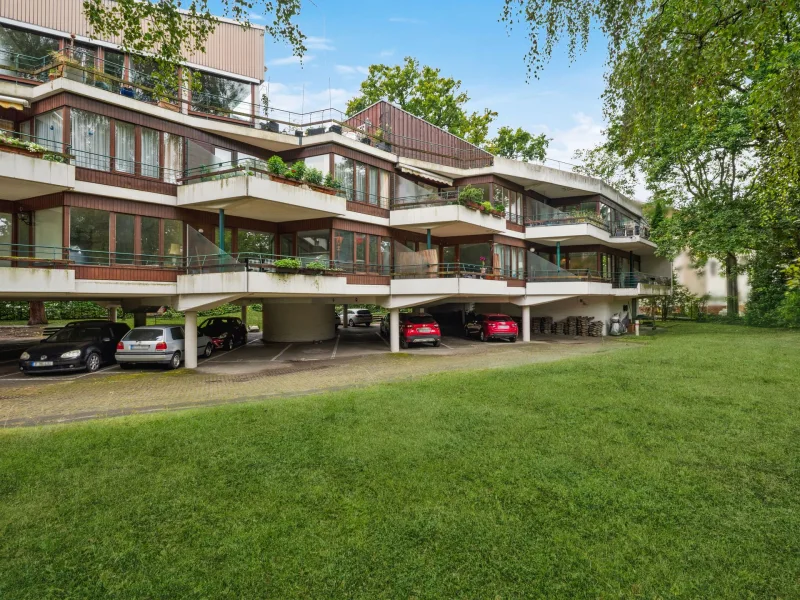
572,326
596,329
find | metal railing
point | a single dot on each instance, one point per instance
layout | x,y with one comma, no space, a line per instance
567,219
561,275
123,166
27,255
282,264
632,279
49,149
425,200
455,270
630,228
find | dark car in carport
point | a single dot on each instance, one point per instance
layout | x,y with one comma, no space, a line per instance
225,332
79,346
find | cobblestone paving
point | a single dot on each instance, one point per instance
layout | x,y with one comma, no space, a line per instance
113,392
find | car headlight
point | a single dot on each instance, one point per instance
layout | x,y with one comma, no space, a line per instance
222,336
24,356
71,354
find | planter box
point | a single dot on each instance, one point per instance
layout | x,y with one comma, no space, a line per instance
311,272
315,131
285,180
169,106
497,215
22,151
474,206
322,189
270,126
286,271
384,146
335,129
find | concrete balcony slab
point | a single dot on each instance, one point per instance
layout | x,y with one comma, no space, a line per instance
581,234
24,176
446,221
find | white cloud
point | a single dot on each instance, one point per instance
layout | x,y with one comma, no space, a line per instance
319,43
295,99
255,17
290,60
351,70
386,53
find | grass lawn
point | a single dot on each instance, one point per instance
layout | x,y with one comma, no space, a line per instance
668,469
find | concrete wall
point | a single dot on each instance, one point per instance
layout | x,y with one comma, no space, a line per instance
298,322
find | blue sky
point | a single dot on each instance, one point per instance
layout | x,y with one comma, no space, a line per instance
464,39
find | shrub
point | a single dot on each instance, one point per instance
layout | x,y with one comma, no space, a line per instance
499,206
297,171
316,265
486,206
288,263
276,166
313,176
331,182
470,194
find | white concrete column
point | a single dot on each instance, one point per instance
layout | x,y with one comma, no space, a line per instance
526,323
344,315
394,329
298,322
112,314
263,322
244,316
190,340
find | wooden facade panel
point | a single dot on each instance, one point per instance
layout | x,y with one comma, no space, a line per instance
356,279
131,182
367,159
358,227
125,273
368,209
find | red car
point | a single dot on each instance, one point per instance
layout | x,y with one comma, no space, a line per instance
415,328
495,326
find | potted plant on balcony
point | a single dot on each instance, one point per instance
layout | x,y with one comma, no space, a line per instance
381,143
498,210
287,265
332,183
295,173
314,178
315,267
280,172
315,130
486,207
471,197
483,265
335,129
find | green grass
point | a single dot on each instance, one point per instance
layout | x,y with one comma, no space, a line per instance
666,470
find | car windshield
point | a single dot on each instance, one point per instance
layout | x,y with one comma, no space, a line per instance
498,318
145,335
215,326
363,312
421,320
75,334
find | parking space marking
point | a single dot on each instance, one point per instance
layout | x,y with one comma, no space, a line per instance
378,333
335,347
445,345
229,352
55,377
281,352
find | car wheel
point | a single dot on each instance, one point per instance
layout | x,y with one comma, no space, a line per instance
483,336
437,343
228,344
403,344
175,361
513,339
208,350
92,362
351,323
125,366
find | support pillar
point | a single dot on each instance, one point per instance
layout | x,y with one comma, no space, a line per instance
112,314
526,323
139,318
244,316
344,315
394,329
558,256
263,321
429,239
190,340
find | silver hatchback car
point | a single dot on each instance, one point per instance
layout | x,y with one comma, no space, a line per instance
158,345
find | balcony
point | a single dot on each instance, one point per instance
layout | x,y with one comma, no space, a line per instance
31,166
456,279
445,215
247,189
641,284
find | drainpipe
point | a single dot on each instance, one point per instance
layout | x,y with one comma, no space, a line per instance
558,256
221,231
429,239
630,267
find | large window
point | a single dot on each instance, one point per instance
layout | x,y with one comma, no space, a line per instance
91,140
150,241
361,183
314,245
227,244
49,129
6,236
48,231
173,240
583,261
88,235
361,251
141,76
343,171
150,153
321,162
124,147
223,97
83,64
173,157
255,242
114,65
343,248
19,50
124,239
471,255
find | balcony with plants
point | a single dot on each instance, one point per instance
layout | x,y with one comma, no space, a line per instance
32,166
269,190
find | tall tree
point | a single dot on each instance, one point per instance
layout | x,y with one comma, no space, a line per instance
36,313
422,91
170,30
518,144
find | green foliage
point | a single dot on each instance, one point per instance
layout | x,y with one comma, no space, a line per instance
288,263
316,265
276,166
172,30
608,166
469,194
486,206
31,147
773,299
331,182
499,206
423,92
313,176
297,171
519,144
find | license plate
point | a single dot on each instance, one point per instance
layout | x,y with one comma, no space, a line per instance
502,326
424,330
135,347
42,363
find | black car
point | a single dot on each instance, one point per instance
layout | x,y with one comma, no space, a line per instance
225,332
79,346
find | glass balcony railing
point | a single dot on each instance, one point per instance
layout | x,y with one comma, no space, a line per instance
38,256
630,228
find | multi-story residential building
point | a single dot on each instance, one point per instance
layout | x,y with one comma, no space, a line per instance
136,199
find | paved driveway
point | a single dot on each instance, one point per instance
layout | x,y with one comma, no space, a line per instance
257,370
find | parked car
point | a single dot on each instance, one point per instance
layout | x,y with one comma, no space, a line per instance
358,316
225,332
415,328
78,346
337,319
158,345
493,326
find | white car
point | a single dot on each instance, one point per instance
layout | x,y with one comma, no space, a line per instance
358,316
158,345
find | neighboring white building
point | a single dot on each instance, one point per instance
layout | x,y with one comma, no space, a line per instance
709,281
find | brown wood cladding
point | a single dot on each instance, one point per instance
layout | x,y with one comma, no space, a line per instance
511,226
358,227
125,273
129,182
415,138
367,159
41,202
519,283
368,209
355,279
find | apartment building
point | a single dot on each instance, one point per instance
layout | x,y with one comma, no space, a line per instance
113,193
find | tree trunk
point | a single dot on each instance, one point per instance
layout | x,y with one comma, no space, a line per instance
36,313
732,280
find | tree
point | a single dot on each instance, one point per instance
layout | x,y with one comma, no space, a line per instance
172,29
519,144
36,313
423,92
605,164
